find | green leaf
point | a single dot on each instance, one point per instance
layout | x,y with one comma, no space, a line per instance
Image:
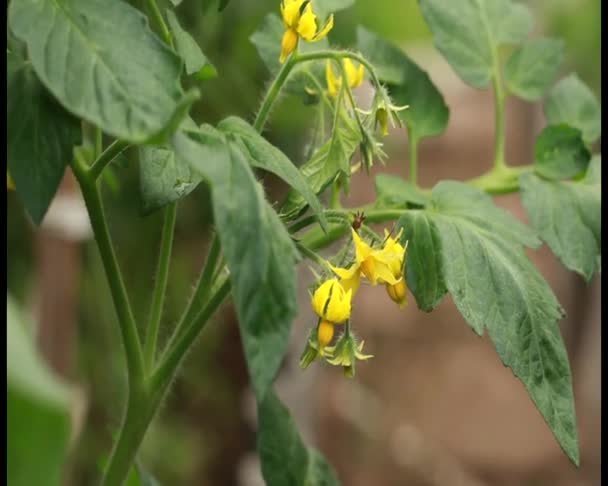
267,40
560,153
572,102
322,8
37,410
394,192
77,48
285,458
195,61
163,177
567,216
40,137
533,67
468,33
139,476
407,84
263,155
423,267
331,159
258,250
496,287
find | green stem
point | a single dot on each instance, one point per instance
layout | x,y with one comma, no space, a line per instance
160,287
172,358
499,113
139,414
413,151
201,291
273,92
98,142
128,327
107,156
158,19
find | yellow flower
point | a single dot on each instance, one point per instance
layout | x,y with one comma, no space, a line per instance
300,21
398,292
375,265
354,75
331,302
395,255
10,185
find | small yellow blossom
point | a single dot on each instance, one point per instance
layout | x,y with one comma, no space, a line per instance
375,265
354,75
332,302
395,255
10,185
300,21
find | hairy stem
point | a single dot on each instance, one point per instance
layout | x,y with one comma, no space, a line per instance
499,113
164,260
128,327
106,157
158,19
273,92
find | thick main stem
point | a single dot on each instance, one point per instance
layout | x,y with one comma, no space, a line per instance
126,320
162,277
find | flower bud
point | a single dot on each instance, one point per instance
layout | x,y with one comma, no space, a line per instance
398,292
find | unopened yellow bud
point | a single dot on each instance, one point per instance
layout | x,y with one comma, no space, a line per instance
288,44
325,333
398,292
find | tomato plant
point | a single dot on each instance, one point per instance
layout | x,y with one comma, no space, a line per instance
87,79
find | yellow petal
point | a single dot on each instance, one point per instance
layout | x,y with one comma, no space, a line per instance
349,278
362,249
290,11
288,44
328,26
338,308
381,272
307,26
355,75
333,83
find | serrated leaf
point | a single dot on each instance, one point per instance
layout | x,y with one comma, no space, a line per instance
77,48
568,217
195,61
37,410
267,41
423,267
496,288
407,84
263,155
285,458
533,67
40,137
331,159
572,102
469,32
258,250
393,191
560,153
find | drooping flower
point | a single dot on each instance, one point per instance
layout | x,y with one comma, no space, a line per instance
300,21
395,255
333,305
353,74
374,264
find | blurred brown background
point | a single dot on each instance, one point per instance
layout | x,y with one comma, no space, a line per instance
433,407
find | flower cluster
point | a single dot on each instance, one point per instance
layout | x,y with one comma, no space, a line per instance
331,301
300,21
